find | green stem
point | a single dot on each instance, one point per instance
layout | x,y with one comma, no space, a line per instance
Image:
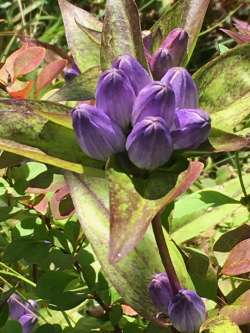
164,253
15,274
237,160
67,319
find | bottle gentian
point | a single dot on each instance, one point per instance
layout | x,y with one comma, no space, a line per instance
97,134
149,144
184,87
160,63
71,72
115,96
23,312
156,99
137,75
190,129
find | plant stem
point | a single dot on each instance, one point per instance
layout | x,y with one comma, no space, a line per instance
67,319
164,253
237,160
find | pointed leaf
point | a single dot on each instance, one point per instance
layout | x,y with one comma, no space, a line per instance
80,88
187,14
219,325
238,261
121,32
240,38
20,89
239,311
132,212
132,274
85,51
226,96
49,73
222,141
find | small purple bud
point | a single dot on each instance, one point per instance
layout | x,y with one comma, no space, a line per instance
161,292
160,63
27,322
71,72
137,75
98,136
16,307
149,144
187,311
115,96
184,87
191,128
156,100
176,44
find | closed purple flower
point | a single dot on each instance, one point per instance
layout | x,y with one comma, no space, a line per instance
187,311
115,96
137,75
191,128
176,44
184,87
160,63
149,144
27,322
98,136
156,100
71,72
16,307
161,292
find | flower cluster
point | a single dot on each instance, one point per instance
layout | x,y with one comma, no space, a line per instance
186,310
164,114
23,312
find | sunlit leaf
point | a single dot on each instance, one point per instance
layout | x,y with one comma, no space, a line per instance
219,325
131,275
121,32
85,51
188,14
132,210
20,89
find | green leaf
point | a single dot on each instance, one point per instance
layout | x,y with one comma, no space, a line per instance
80,88
219,325
11,326
85,51
53,287
132,210
224,85
121,32
188,14
239,311
132,274
195,213
47,328
222,141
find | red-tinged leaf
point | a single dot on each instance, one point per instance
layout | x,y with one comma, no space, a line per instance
239,311
28,60
42,206
238,261
131,212
20,90
128,311
49,73
55,203
237,36
242,26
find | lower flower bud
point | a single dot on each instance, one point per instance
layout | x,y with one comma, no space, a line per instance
187,311
191,128
149,144
98,136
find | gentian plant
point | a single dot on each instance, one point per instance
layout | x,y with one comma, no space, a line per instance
126,128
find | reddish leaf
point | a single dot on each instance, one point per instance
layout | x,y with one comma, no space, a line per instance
28,60
238,261
42,206
239,311
128,311
56,201
131,213
49,73
237,36
20,90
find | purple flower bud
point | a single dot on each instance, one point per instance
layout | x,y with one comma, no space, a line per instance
16,307
27,322
191,128
156,99
187,311
161,292
98,136
160,63
71,72
184,87
137,75
115,96
176,44
149,144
